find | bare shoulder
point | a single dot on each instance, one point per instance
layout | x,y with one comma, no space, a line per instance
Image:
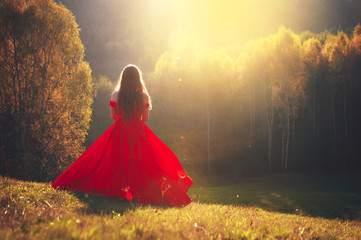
145,97
114,96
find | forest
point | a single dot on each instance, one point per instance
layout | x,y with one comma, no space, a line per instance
285,102
276,100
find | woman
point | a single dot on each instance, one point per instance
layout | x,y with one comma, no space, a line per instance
129,161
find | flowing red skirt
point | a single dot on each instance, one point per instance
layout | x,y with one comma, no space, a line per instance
129,162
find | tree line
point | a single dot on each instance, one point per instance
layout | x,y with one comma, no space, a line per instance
284,102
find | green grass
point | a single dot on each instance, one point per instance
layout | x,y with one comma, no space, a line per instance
318,195
308,206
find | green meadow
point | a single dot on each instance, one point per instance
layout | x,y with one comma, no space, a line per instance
282,206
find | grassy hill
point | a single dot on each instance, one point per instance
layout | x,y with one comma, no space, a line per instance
273,207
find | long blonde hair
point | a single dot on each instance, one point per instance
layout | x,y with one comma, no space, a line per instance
131,91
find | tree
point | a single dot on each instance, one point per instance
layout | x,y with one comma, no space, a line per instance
254,67
355,90
339,68
312,59
288,83
336,54
46,89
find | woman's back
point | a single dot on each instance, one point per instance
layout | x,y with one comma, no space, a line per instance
117,113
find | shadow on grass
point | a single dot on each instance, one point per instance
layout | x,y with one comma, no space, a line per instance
317,195
105,205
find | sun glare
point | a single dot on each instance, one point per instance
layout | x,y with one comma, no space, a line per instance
219,23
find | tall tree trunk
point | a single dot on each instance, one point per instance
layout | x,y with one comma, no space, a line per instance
251,111
318,116
269,119
345,107
287,135
314,113
283,143
208,134
293,129
333,117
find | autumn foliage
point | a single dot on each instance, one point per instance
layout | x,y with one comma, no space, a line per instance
286,101
46,89
283,102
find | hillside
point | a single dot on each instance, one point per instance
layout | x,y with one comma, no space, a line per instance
36,211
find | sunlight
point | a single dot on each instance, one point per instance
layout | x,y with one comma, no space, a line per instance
255,99
219,23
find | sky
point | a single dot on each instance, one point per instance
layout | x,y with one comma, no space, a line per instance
118,32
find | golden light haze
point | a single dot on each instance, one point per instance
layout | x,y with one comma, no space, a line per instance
218,23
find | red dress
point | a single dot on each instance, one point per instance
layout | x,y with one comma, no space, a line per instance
128,161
